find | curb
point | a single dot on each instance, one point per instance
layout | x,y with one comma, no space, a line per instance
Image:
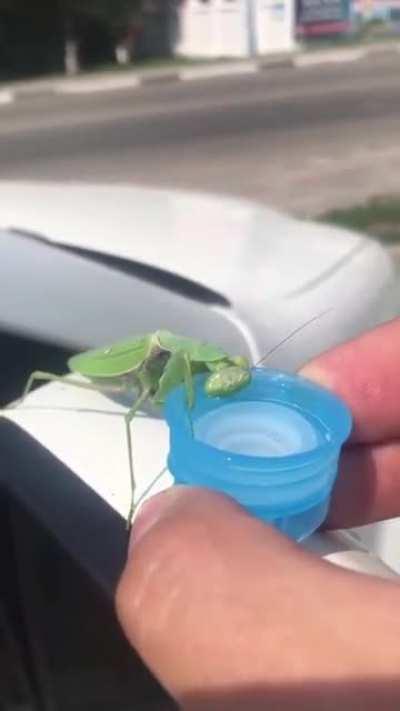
218,70
330,57
92,86
135,80
6,97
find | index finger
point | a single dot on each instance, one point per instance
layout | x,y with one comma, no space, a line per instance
365,372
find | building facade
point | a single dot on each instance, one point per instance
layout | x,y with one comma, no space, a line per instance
234,28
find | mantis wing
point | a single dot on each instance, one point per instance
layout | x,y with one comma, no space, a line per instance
115,360
196,350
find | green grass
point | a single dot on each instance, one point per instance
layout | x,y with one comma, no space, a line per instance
379,217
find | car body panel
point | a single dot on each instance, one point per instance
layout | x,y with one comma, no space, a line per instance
274,272
63,298
266,274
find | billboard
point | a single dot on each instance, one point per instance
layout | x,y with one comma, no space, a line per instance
322,17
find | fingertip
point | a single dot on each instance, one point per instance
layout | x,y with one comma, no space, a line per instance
364,373
319,375
152,510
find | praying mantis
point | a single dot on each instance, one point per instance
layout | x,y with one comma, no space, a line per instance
150,367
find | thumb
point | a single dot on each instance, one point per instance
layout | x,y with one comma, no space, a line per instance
213,599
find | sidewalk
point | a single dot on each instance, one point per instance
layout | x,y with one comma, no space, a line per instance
94,82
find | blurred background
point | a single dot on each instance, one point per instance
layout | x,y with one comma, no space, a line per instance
293,104
290,102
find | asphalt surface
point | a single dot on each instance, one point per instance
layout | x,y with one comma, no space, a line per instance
302,139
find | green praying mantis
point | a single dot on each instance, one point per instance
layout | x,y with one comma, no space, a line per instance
150,367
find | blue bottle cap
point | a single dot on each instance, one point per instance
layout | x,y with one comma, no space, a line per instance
273,446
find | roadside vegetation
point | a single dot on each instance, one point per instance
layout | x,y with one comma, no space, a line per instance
379,217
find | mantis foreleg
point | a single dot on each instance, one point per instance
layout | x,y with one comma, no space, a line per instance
188,380
189,387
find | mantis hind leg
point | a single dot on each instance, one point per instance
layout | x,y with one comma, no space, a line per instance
40,375
128,419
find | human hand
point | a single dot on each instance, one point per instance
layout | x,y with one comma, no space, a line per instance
365,372
230,615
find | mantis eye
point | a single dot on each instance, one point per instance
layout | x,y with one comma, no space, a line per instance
227,381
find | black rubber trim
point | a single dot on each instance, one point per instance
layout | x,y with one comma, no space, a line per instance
159,277
82,522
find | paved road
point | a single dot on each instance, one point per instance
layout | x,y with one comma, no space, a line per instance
302,139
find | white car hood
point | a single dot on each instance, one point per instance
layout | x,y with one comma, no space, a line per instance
276,272
178,231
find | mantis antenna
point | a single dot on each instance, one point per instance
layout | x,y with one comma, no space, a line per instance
293,334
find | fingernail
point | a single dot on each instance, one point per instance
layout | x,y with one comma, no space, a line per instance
150,513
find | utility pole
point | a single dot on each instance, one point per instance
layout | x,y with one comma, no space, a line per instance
251,27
